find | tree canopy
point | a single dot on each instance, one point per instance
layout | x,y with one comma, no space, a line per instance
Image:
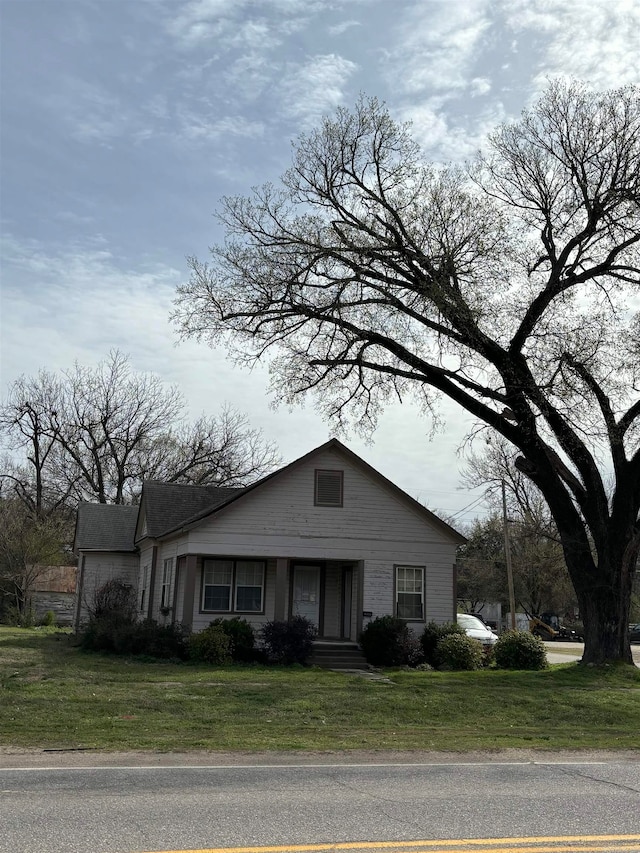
510,286
97,433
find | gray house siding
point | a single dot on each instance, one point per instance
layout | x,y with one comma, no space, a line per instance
374,530
95,569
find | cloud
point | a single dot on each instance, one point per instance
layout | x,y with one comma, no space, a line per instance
598,43
197,126
315,88
77,302
479,86
233,23
92,113
437,44
341,28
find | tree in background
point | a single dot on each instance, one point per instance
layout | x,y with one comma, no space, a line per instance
481,566
540,578
97,433
29,544
371,275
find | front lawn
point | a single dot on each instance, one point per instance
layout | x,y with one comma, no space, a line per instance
54,696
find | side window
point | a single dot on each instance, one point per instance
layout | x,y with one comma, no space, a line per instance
328,487
167,583
410,592
143,588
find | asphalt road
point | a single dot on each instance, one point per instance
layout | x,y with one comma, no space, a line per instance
560,652
189,804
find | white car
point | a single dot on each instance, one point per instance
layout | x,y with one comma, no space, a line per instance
474,627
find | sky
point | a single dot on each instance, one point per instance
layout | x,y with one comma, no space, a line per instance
124,122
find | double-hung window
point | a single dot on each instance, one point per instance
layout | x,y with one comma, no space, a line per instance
233,586
167,581
143,588
410,592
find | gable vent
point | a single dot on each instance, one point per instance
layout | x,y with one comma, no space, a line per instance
328,490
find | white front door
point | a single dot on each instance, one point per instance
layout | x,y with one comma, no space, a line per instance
306,593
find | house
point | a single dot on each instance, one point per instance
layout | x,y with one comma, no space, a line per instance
326,537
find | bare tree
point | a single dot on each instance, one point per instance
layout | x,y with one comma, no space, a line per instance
29,544
97,433
371,276
28,422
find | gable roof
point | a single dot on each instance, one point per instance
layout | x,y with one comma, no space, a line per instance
168,508
105,527
169,505
333,444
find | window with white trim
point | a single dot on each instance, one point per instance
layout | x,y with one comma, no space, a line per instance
328,487
410,592
233,586
167,583
143,588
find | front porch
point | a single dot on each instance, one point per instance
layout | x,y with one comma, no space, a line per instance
328,594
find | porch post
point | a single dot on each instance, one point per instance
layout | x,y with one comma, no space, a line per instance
191,565
152,581
359,573
282,578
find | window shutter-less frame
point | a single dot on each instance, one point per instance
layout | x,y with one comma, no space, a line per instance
328,488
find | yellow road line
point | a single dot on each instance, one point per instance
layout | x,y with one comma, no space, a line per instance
541,844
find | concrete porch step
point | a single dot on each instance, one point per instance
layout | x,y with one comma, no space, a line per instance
337,655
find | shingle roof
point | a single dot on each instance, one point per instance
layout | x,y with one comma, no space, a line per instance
223,497
105,527
168,505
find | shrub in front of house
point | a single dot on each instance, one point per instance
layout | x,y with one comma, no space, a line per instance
153,640
519,650
431,636
113,627
388,641
242,637
116,597
119,635
288,642
458,652
212,645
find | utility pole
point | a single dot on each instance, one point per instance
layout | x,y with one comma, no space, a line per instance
507,556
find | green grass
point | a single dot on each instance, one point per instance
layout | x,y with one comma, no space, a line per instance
54,696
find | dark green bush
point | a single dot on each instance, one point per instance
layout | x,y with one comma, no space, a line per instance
457,651
120,635
114,628
519,650
100,633
288,642
49,619
431,636
388,641
213,645
242,637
